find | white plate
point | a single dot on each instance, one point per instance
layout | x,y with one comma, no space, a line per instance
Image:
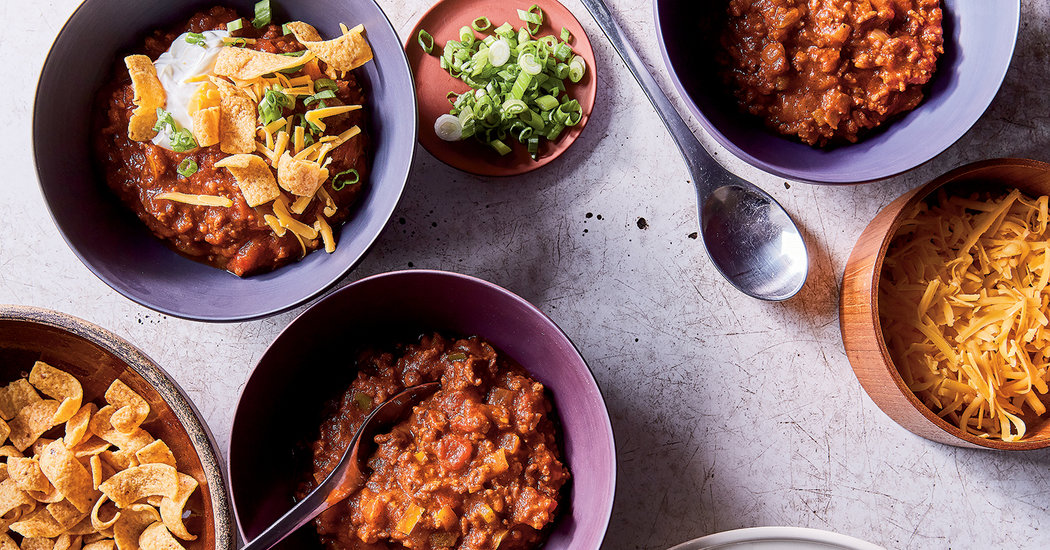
777,538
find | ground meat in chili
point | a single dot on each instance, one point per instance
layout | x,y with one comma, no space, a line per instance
476,466
828,70
234,238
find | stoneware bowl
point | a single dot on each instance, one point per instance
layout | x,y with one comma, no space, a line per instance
859,308
281,405
97,357
979,41
115,245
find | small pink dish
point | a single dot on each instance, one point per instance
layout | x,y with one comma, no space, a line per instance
443,21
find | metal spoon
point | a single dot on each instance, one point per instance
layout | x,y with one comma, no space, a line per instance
751,239
348,473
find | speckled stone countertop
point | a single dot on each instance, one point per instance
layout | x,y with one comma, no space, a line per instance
728,412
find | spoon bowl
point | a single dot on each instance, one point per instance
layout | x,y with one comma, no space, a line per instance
753,243
750,238
348,475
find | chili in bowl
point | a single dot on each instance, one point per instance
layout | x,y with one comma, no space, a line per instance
514,451
176,145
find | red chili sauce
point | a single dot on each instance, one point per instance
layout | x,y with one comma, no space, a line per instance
476,466
826,71
234,238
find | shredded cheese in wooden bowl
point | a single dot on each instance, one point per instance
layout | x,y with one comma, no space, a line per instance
963,302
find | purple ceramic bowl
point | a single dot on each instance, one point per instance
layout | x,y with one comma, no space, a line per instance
117,247
281,404
979,40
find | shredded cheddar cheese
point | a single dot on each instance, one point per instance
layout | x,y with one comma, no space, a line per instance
963,301
314,117
280,209
198,200
275,225
325,231
300,204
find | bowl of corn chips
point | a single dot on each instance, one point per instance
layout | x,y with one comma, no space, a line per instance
101,449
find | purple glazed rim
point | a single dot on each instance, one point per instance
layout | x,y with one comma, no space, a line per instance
595,537
388,192
845,175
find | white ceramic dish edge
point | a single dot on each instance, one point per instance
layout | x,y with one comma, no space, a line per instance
777,538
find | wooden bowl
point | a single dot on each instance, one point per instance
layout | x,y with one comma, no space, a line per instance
97,357
859,306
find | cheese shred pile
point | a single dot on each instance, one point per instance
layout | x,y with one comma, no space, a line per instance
963,303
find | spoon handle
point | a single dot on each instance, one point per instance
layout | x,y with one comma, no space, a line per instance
305,510
700,162
347,475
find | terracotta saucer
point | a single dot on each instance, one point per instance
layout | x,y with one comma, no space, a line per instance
433,84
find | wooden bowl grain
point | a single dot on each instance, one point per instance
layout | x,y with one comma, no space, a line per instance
859,307
97,357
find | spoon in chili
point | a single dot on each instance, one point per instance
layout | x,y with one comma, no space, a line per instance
348,474
750,238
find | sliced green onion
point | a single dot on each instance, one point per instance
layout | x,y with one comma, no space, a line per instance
533,18
425,41
285,31
566,36
351,177
448,128
529,64
499,53
499,146
187,167
555,131
238,42
235,25
562,51
323,94
576,69
505,30
325,84
514,107
262,14
181,138
273,104
547,102
517,84
197,39
466,37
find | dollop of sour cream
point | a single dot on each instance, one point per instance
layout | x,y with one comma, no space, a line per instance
181,62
